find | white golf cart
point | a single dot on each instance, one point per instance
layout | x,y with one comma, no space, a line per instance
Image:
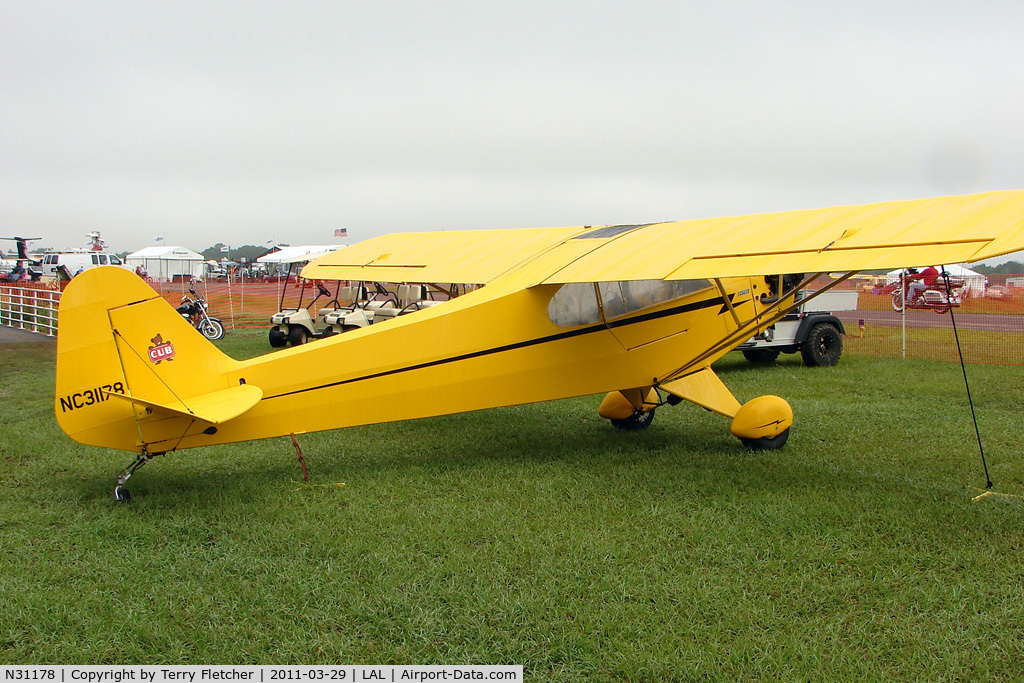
383,305
295,325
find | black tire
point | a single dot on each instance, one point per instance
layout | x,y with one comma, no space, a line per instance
122,495
897,301
823,345
278,339
638,420
297,335
942,308
767,443
761,356
212,329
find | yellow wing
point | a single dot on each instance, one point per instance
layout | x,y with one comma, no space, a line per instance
471,256
851,238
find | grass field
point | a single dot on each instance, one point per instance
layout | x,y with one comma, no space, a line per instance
538,535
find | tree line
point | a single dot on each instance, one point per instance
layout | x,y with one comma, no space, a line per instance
1008,268
249,252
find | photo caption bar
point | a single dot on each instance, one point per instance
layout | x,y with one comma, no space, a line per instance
258,674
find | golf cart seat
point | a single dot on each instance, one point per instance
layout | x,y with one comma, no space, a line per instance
350,296
386,312
411,294
410,298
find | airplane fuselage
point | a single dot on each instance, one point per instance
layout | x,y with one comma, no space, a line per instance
500,345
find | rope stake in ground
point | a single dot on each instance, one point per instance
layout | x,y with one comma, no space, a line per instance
988,493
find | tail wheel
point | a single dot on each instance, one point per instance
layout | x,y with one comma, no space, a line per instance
641,419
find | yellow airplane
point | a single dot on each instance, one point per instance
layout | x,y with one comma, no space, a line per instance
637,311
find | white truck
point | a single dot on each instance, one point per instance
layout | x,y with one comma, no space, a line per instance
815,333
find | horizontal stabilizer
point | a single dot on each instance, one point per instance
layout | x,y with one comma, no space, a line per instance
706,390
215,407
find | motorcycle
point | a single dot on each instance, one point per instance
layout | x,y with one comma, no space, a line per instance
194,309
934,298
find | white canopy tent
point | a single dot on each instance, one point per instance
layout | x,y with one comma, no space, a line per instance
284,258
168,263
299,254
974,282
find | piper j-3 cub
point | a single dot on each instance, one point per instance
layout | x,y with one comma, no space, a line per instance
637,311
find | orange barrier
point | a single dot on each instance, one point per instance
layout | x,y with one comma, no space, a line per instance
242,303
990,328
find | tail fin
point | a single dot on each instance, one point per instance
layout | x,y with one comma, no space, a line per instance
118,339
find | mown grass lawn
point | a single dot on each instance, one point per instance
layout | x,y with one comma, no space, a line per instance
538,535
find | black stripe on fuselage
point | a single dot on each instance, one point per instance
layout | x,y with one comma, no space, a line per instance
623,322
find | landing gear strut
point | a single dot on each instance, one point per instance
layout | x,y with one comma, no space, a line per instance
121,495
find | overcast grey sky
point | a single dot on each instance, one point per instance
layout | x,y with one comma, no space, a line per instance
245,121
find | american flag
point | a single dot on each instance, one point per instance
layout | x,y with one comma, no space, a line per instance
341,232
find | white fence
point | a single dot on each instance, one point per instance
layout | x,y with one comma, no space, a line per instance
29,308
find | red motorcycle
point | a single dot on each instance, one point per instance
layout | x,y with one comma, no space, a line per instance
935,298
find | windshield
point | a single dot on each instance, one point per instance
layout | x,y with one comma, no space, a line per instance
578,303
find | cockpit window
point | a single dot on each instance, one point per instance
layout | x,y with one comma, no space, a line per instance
574,304
577,303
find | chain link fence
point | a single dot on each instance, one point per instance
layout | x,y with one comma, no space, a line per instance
989,322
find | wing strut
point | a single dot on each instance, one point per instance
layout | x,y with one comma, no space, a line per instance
728,301
770,314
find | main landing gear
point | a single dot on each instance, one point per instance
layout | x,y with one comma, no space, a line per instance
121,495
761,424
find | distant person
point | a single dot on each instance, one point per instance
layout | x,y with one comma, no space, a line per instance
78,272
921,282
17,272
140,271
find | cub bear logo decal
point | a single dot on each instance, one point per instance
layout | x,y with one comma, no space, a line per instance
160,350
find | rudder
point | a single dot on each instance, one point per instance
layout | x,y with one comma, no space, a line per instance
116,335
